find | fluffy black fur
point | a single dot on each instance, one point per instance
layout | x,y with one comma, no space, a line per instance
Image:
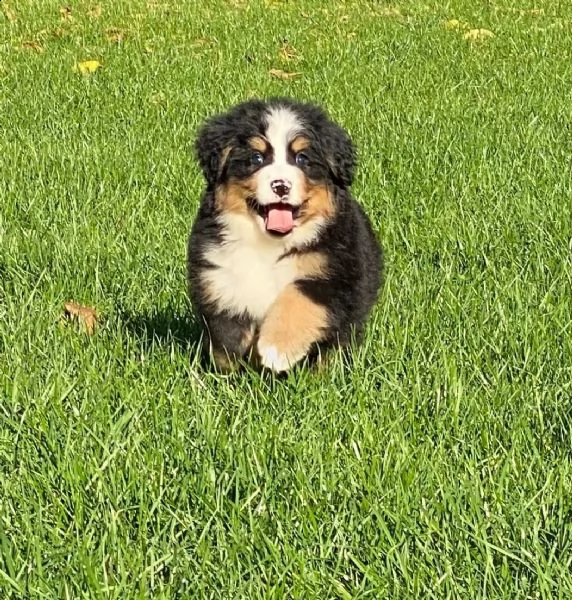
355,260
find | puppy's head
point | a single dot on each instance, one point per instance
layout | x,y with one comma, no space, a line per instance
278,162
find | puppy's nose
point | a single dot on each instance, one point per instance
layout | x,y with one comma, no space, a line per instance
281,187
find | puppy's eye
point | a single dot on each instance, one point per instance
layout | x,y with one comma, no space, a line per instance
256,159
301,159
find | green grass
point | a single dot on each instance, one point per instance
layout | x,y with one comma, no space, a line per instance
437,462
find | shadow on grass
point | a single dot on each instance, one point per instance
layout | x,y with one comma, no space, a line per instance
165,328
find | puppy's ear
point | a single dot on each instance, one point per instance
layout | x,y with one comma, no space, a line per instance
213,146
340,155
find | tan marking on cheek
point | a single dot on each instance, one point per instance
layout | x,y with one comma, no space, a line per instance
311,265
291,326
258,143
319,202
232,196
299,144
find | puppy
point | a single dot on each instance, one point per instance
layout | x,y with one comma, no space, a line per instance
282,261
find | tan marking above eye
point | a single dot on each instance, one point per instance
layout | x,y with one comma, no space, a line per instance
258,143
300,143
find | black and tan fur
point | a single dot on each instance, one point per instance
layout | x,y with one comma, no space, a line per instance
282,261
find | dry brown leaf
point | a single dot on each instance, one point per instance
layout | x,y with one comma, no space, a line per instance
8,12
66,13
95,11
32,45
84,314
114,35
279,74
288,52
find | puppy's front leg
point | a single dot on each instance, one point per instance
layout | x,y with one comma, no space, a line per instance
228,340
293,323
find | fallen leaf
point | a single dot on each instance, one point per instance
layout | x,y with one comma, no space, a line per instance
478,35
84,314
66,13
114,35
288,52
95,11
456,25
8,12
88,66
32,45
279,74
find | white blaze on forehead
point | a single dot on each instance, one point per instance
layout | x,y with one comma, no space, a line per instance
283,125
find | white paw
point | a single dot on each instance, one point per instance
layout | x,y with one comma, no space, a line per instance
274,360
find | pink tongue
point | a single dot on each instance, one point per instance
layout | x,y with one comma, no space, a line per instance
279,218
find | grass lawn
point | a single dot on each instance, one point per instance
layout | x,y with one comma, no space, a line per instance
436,462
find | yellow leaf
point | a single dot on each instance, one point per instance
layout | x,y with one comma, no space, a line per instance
477,35
456,25
88,66
279,74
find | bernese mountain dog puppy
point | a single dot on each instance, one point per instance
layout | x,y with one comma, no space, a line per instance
282,261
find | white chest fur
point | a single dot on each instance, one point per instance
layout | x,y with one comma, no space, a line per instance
249,273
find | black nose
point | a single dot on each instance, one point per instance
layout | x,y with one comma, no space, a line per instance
281,187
